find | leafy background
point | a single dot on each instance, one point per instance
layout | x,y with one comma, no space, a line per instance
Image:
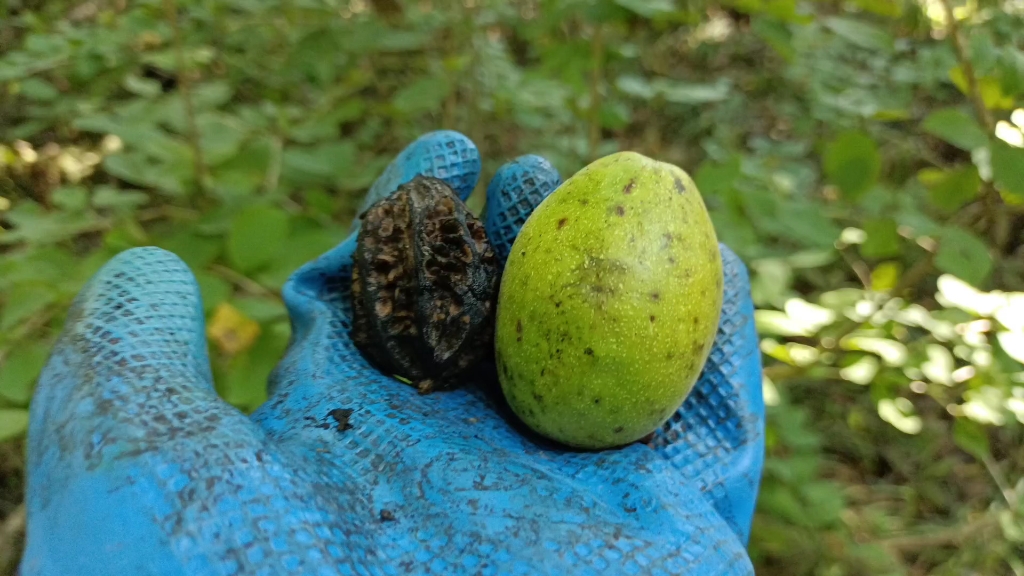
864,157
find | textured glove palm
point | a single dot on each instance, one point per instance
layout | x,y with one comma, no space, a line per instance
137,467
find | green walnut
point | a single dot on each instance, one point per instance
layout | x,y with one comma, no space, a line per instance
609,303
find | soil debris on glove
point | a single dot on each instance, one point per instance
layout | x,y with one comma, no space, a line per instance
424,286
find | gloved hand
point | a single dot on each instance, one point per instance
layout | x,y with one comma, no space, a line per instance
137,467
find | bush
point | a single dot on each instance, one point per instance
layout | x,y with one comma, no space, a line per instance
863,157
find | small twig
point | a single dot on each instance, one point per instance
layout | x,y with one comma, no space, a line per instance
12,533
185,85
944,537
273,176
27,328
914,275
243,282
859,267
596,79
1009,494
166,211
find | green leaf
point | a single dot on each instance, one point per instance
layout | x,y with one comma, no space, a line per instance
636,86
22,301
301,247
825,502
648,8
19,371
963,255
971,437
679,92
145,87
244,383
919,223
110,198
46,265
990,88
860,33
197,251
1008,167
34,225
260,308
211,94
956,127
885,276
38,89
772,282
714,178
982,51
675,91
424,95
324,126
135,168
852,162
256,236
71,198
779,501
883,240
324,163
220,136
1011,70
396,40
951,189
776,34
212,289
13,423
805,223
245,172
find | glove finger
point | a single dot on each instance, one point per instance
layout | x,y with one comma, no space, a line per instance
444,154
139,318
517,188
128,441
716,439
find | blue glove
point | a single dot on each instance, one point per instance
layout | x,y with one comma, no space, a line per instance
135,466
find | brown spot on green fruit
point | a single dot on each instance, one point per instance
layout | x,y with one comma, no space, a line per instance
562,222
619,277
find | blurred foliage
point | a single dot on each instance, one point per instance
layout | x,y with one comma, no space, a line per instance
864,157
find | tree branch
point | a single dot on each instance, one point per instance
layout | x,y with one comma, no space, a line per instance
997,218
185,86
243,282
974,92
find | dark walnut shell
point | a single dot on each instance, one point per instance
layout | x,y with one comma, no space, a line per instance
424,286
